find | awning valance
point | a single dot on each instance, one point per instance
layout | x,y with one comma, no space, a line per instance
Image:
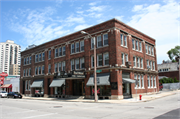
102,79
57,82
6,86
37,84
128,80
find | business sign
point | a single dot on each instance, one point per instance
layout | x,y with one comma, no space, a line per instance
1,78
3,74
1,82
77,73
78,76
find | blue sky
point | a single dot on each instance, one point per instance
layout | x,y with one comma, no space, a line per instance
38,21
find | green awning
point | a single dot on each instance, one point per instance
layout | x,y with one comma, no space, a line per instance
128,80
102,79
57,82
37,84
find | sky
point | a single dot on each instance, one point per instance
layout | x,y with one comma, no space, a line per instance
28,22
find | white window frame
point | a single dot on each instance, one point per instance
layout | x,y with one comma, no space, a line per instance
63,66
126,57
153,65
146,49
36,58
77,63
40,57
36,71
149,50
30,60
49,54
105,39
152,50
151,81
104,56
81,62
63,54
60,53
29,72
56,52
125,40
82,45
142,79
98,40
42,68
155,81
56,67
98,60
135,78
122,39
92,43
59,66
138,62
76,47
137,45
72,63
150,63
133,44
92,61
139,79
134,61
141,65
140,46
122,58
43,56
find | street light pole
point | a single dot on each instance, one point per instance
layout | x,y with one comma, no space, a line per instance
95,81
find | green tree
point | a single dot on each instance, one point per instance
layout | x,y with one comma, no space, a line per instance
174,52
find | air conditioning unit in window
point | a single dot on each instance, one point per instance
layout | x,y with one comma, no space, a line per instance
128,64
148,67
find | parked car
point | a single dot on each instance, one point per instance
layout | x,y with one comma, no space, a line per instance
14,95
160,86
3,94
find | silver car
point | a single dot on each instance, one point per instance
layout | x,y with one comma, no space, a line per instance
3,94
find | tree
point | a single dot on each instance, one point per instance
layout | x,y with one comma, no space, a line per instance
174,52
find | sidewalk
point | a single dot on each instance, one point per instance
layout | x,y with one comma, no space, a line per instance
145,98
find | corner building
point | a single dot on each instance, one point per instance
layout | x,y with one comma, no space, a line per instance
64,67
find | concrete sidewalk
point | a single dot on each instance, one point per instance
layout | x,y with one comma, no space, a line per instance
145,98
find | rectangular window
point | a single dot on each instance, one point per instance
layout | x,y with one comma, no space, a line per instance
29,87
43,69
148,82
77,46
39,57
24,72
99,60
63,65
138,62
135,78
122,39
133,43
82,63
147,62
92,61
146,49
26,85
56,68
60,51
139,81
105,39
27,60
137,47
149,49
39,70
142,79
99,42
141,63
36,58
154,81
92,43
153,65
106,58
122,58
36,70
152,51
125,40
29,71
134,61
59,66
82,45
56,52
77,63
64,50
49,54
151,81
126,57
30,60
150,63
49,68
72,65
140,46
72,48
24,61
43,56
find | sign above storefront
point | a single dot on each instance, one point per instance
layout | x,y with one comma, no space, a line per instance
3,74
77,72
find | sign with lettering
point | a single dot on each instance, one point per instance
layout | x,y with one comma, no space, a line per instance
78,76
3,74
77,73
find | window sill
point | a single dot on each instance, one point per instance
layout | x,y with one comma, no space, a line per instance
59,57
101,66
150,55
137,50
124,46
26,64
76,53
100,47
40,61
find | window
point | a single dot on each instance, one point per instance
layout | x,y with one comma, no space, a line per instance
59,65
40,57
43,56
105,39
133,43
146,49
39,70
24,61
154,81
122,39
152,51
82,45
137,45
56,68
134,61
27,60
126,57
138,62
56,52
63,65
29,71
149,49
64,50
37,58
135,78
141,65
99,42
125,40
122,58
29,85
106,58
26,85
148,82
140,46
99,60
43,69
153,65
139,81
49,54
30,60
77,63
82,63
151,81
60,51
36,71
49,68
24,72
147,62
92,61
92,43
77,46
72,48
72,65
142,79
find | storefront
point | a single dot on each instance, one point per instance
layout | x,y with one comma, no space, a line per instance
7,87
38,85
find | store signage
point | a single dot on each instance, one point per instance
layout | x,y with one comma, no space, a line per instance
98,71
3,74
64,76
78,76
77,73
1,78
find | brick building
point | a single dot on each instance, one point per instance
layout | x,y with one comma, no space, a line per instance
124,55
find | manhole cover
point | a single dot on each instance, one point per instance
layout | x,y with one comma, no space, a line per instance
149,107
57,106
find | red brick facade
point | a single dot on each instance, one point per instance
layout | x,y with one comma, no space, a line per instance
115,67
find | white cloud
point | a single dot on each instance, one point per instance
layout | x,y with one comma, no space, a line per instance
159,22
137,8
80,27
75,19
93,3
96,8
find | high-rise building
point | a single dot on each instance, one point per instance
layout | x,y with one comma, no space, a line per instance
9,54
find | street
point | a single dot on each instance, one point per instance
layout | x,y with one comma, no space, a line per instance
162,108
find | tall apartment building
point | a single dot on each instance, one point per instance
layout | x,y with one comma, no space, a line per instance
9,54
64,67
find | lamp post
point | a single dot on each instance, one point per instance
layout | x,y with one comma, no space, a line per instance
95,81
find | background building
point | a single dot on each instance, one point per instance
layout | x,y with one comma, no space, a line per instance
14,69
9,54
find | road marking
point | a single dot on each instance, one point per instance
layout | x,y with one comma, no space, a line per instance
40,115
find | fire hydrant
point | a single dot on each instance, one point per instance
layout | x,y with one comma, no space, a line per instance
140,97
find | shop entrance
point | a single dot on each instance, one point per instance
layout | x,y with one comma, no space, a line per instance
78,88
127,90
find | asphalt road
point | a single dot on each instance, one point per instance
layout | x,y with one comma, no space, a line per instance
163,108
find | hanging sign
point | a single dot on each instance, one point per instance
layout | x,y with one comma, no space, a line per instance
3,74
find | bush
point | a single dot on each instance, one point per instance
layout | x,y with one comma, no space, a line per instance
175,80
168,80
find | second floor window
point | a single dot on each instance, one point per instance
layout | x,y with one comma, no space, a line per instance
40,57
49,54
72,65
82,63
63,65
72,48
141,65
99,60
77,63
125,40
138,62
134,61
140,46
39,70
30,60
82,45
146,49
43,56
59,65
29,71
152,51
137,45
60,51
56,52
27,60
106,58
105,39
36,58
122,39
43,69
56,68
77,46
92,43
133,43
36,70
49,68
122,58
64,50
99,42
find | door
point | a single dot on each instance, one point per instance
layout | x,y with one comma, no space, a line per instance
77,88
49,81
23,87
83,88
127,90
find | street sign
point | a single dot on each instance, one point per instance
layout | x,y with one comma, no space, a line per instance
98,71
